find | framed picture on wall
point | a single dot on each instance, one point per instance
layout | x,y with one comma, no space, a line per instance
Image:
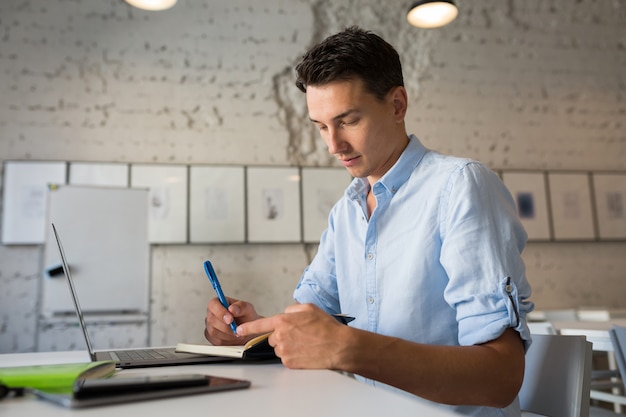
529,192
570,199
273,197
321,188
167,200
99,173
25,199
610,199
216,204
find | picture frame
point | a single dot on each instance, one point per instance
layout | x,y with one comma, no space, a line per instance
167,205
99,173
217,204
321,189
610,203
25,199
570,200
273,204
531,201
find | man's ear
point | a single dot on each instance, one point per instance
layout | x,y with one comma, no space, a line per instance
399,99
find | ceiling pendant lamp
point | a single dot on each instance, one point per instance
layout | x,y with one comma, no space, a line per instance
153,5
432,13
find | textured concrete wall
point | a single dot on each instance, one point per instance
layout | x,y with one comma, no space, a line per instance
534,84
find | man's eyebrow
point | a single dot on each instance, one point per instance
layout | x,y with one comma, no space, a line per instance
339,116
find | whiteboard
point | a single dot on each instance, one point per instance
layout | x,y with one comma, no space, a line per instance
104,232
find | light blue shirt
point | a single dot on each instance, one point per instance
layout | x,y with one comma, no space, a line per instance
438,262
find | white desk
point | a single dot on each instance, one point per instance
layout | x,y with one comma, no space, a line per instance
275,391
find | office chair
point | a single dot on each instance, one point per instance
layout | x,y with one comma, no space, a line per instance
618,340
557,377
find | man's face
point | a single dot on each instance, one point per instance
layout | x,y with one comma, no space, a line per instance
366,134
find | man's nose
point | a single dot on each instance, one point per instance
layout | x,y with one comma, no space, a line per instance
334,142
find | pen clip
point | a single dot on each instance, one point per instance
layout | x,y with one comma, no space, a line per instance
208,268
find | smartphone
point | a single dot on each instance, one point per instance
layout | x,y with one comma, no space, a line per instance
89,388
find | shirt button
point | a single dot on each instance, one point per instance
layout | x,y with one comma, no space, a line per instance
370,300
370,256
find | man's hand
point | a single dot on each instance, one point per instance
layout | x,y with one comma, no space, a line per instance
217,321
303,337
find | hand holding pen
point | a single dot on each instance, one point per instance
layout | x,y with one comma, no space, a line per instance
210,272
250,312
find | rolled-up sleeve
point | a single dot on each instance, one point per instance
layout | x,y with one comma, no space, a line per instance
482,242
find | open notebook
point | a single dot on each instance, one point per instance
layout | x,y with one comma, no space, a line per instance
129,357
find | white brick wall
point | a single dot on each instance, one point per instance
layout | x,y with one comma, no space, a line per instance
533,84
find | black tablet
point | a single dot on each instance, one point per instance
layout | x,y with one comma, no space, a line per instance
121,389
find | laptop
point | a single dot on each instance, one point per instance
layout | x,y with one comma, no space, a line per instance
130,357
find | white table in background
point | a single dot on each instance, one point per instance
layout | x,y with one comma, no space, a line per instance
597,332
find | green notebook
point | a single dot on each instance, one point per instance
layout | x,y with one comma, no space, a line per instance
54,377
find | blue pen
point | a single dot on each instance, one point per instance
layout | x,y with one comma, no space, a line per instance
208,268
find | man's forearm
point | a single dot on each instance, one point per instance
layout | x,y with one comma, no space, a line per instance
490,374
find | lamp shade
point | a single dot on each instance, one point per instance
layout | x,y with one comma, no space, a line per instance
432,13
152,4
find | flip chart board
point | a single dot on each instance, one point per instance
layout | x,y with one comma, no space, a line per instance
104,233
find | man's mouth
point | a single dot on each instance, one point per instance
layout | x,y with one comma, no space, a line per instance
348,162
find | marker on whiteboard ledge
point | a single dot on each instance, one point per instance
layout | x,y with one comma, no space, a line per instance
55,271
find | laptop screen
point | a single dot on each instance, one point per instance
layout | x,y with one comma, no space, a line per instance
79,312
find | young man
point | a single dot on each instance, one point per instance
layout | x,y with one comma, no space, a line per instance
423,249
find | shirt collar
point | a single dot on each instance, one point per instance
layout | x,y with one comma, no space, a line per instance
399,172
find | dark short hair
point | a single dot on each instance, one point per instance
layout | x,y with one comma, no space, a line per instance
349,54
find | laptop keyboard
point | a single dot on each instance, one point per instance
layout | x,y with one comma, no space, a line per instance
131,355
